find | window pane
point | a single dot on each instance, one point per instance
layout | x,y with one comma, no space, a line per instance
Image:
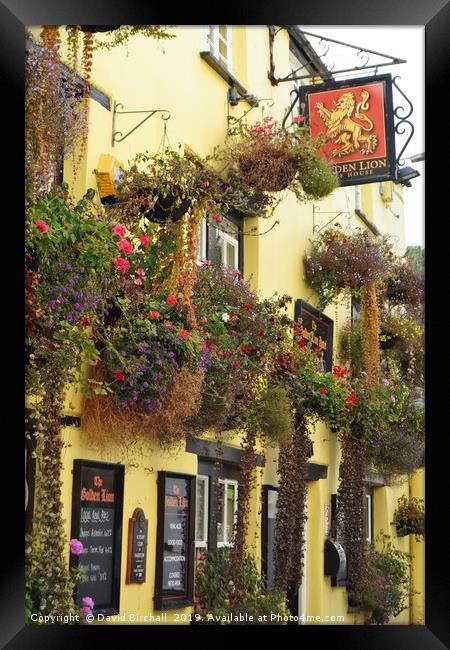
200,533
231,255
220,513
223,31
230,511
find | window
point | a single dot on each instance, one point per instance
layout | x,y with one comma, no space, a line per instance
227,247
356,309
202,242
201,512
227,512
219,43
269,514
368,509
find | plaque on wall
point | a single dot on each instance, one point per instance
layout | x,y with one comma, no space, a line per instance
97,507
137,547
317,329
174,581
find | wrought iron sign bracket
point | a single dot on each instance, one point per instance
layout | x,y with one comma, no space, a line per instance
317,210
233,100
115,134
403,122
314,57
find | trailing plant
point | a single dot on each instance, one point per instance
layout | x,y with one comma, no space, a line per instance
227,588
120,34
291,513
341,261
385,584
55,119
405,284
269,158
409,517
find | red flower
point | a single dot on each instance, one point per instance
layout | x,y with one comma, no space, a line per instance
246,349
171,299
298,119
184,334
339,372
119,230
125,246
318,351
85,321
203,320
301,342
153,314
216,217
246,307
42,226
119,376
144,239
261,333
233,314
323,391
122,264
351,399
205,183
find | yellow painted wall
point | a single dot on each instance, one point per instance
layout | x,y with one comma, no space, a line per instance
147,74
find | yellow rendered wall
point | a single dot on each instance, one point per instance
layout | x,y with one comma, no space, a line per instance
170,74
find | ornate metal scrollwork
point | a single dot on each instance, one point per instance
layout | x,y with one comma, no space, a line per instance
403,122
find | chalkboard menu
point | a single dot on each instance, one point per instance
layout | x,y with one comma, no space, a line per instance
317,329
174,583
137,547
97,509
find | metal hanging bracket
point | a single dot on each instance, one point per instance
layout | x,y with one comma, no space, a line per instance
151,112
317,210
319,54
233,100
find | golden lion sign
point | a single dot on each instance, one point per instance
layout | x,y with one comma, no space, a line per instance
356,119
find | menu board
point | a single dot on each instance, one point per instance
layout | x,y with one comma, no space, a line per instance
137,547
317,329
175,541
97,524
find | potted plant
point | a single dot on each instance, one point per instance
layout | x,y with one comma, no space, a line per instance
409,517
163,188
405,285
269,158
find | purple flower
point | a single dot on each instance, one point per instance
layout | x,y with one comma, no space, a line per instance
68,267
123,353
88,602
392,398
386,382
76,547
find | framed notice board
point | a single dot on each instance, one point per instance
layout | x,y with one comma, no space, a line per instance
97,508
175,541
317,329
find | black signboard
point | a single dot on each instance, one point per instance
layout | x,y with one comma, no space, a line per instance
174,583
357,119
97,507
137,547
317,329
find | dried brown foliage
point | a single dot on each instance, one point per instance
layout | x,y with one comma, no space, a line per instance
267,166
104,419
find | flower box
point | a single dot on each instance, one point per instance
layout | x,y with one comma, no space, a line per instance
165,208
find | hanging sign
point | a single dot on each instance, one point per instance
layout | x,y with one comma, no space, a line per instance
97,506
137,547
174,581
356,117
316,329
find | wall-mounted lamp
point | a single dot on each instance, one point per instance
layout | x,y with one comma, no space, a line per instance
404,176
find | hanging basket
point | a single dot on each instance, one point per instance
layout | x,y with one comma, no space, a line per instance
165,209
267,167
389,343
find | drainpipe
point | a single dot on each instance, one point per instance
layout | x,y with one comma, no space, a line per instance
417,550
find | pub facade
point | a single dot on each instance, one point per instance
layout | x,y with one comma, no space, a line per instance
145,516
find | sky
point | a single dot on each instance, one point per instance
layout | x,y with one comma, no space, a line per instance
407,43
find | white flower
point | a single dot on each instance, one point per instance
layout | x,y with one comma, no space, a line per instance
225,317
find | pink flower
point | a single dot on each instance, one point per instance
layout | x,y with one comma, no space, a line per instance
386,382
137,281
85,611
122,264
88,602
298,119
144,239
119,230
76,547
205,183
216,217
125,246
42,226
392,398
